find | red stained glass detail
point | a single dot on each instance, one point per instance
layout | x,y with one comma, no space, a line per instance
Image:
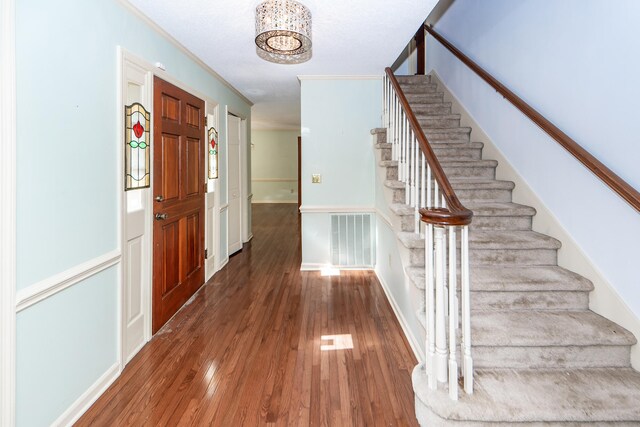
213,144
138,130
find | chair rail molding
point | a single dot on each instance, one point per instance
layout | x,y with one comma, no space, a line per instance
52,285
7,212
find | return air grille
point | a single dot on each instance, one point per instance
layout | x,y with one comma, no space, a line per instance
351,244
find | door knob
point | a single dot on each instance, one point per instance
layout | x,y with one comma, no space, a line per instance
159,199
161,216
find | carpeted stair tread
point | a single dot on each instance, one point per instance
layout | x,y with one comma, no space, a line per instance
517,279
508,396
415,79
545,328
480,183
402,209
500,209
528,278
394,184
388,163
468,163
495,239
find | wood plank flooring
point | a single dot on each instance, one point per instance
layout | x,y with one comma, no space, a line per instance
265,344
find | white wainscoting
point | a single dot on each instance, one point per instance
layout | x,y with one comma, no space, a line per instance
52,285
88,398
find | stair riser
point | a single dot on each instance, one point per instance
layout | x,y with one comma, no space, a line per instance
496,195
424,98
436,137
398,195
499,257
485,172
501,223
422,88
550,357
427,109
392,172
380,138
457,153
413,80
549,300
385,154
435,122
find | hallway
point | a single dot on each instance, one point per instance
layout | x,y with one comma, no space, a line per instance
265,344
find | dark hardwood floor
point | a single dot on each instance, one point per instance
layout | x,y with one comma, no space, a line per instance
264,344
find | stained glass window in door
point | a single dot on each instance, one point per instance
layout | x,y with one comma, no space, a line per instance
213,153
137,158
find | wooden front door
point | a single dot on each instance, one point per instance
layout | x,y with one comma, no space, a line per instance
178,190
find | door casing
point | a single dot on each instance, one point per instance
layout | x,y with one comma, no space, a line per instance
211,105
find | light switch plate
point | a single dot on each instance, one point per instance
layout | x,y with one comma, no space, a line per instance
316,178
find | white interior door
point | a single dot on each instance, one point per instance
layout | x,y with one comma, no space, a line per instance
136,232
235,184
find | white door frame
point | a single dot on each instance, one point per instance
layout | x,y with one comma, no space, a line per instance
7,213
152,71
245,233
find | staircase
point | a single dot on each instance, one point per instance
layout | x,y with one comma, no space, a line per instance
540,355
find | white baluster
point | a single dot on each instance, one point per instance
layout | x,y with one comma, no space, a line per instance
440,278
430,308
407,174
436,195
467,361
423,182
453,316
429,185
412,168
416,188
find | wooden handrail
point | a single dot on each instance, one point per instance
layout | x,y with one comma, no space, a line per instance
455,213
617,184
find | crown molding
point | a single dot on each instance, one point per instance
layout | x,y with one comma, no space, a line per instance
157,28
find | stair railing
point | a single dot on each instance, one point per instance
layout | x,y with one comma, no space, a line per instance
606,175
439,215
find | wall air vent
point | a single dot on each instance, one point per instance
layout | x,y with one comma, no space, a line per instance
351,240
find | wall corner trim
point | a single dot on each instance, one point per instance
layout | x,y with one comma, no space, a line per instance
88,398
52,285
7,212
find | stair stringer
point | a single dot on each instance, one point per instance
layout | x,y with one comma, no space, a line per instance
603,300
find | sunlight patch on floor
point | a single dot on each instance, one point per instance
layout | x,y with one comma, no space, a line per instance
329,271
337,342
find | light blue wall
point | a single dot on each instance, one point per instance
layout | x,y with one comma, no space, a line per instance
67,195
336,116
61,357
573,61
274,156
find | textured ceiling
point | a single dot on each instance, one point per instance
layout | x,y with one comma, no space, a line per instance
350,37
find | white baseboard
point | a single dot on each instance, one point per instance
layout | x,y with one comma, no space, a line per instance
222,265
88,398
604,299
413,342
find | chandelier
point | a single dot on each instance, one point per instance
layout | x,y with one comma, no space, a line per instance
283,31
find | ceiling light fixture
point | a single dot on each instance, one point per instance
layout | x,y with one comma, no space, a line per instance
283,31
